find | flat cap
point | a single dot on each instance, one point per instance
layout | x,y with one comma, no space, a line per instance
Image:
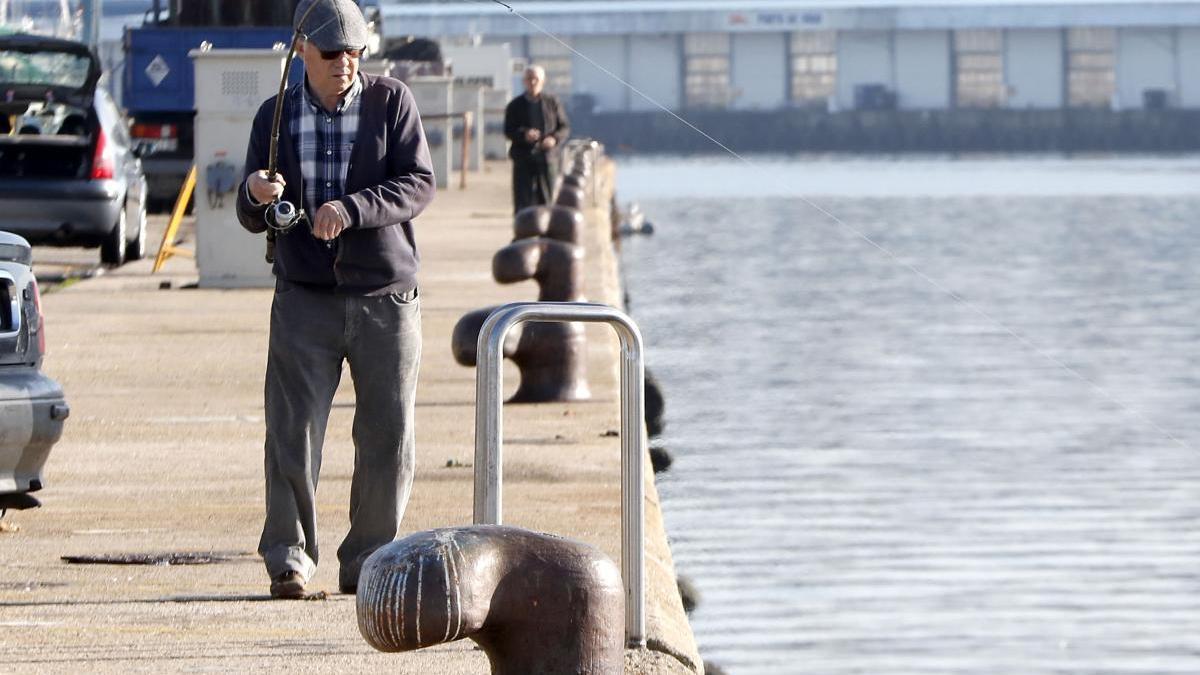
332,24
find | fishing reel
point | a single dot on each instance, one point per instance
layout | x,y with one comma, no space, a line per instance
282,216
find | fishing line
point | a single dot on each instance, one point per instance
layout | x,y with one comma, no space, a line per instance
1026,342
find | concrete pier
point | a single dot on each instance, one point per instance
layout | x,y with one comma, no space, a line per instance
163,454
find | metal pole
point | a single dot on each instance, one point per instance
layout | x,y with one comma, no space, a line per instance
465,159
489,433
92,10
593,149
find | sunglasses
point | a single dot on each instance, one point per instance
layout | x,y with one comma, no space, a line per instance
337,54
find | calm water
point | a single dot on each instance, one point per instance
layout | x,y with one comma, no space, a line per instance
872,477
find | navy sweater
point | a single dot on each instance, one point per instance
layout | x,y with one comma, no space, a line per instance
388,183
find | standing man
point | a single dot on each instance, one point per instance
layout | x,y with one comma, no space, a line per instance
352,153
536,123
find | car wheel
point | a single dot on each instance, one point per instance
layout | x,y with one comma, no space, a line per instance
112,250
136,249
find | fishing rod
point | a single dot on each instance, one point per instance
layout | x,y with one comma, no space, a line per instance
281,215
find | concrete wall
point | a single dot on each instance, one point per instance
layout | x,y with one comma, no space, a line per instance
759,71
1189,72
1145,60
610,52
656,70
923,72
1034,68
916,64
864,57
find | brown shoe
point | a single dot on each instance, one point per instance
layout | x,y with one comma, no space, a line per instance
288,586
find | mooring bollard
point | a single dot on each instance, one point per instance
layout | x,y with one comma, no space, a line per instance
553,222
571,197
489,430
575,180
535,603
556,266
465,336
551,357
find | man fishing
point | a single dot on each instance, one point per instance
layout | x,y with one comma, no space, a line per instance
536,123
352,154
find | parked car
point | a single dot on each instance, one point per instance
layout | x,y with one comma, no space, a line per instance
69,175
32,408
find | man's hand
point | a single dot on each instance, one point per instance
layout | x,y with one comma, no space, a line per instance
532,135
549,142
328,224
265,191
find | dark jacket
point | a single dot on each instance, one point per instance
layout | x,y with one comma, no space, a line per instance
388,183
516,122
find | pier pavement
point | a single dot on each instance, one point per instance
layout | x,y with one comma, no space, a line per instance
163,454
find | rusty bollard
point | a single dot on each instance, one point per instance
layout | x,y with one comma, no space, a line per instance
552,357
576,180
582,165
556,266
570,196
464,338
553,222
535,603
549,356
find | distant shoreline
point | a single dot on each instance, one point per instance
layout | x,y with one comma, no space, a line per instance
898,131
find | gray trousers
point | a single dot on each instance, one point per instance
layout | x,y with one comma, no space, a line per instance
312,333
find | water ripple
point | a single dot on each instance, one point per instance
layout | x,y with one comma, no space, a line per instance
871,478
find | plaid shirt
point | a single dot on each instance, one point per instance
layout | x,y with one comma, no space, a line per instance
323,143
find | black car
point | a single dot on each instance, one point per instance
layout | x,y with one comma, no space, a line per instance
69,175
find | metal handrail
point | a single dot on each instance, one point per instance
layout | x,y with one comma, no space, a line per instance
489,430
467,120
592,148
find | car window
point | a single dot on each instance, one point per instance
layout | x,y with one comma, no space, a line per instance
45,68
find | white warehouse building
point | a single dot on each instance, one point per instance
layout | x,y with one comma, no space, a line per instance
842,54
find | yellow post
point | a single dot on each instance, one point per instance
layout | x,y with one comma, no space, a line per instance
168,248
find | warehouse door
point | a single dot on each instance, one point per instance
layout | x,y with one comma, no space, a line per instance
759,71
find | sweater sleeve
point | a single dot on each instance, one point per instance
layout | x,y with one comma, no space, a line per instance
513,130
410,188
250,215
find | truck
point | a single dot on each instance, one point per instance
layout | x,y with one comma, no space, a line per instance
158,84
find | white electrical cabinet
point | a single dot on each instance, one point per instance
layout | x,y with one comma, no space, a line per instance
231,84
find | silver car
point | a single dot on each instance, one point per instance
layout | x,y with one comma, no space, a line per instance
69,175
32,408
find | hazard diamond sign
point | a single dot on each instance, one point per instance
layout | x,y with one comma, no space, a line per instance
158,70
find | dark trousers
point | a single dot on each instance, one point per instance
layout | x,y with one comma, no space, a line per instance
532,182
312,334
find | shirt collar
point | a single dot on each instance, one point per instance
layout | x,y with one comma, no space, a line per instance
314,103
